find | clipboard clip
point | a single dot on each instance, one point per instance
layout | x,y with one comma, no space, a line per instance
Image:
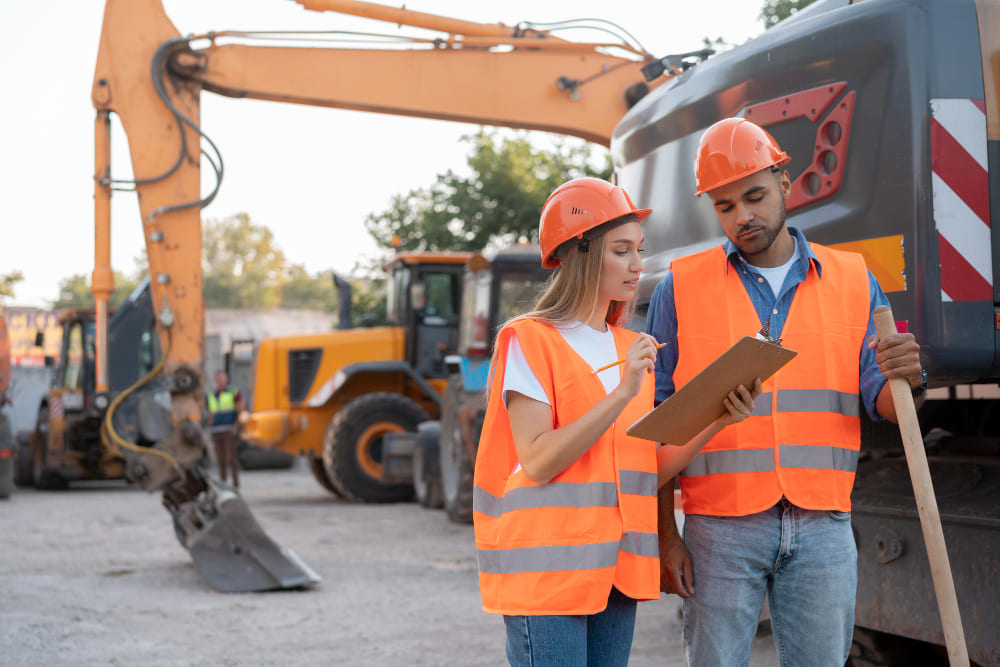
765,334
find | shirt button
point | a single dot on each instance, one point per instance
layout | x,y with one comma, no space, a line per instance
774,312
760,279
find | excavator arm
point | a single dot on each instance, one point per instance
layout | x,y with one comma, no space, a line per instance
152,78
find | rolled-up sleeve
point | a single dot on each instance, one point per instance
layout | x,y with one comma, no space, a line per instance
871,377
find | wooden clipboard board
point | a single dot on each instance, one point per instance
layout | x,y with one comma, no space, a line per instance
699,402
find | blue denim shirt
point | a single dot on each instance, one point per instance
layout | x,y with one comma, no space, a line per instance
661,320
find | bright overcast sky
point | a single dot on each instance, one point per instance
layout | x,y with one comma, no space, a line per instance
310,174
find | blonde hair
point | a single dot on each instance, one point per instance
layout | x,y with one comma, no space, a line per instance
574,286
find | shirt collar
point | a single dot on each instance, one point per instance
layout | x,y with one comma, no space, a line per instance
806,254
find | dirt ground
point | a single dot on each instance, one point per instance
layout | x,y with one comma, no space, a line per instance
95,576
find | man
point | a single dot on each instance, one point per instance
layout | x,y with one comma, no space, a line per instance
767,502
224,407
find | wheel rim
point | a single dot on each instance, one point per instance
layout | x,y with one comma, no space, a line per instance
369,448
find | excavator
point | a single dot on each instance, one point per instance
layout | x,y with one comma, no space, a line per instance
152,78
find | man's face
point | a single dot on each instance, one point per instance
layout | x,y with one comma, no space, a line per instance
221,380
752,214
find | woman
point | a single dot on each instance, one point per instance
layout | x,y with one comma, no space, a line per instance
565,502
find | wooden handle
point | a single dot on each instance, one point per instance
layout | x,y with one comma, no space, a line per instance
923,491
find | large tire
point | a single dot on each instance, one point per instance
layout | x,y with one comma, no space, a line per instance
6,477
456,465
426,474
24,475
319,474
352,446
45,478
7,452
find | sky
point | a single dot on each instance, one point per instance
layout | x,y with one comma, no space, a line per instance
311,175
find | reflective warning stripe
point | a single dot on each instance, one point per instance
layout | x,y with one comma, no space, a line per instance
819,400
556,494
816,457
960,189
566,556
548,558
641,544
730,460
638,482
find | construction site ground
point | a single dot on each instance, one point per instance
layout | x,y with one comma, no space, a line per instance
95,576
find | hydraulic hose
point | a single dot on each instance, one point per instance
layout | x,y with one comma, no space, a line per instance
113,441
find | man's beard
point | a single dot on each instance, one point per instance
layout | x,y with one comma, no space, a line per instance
770,234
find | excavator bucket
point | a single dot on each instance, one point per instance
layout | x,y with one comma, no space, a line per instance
230,549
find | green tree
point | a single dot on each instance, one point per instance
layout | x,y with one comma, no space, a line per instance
299,289
242,267
368,298
7,282
497,204
777,10
74,292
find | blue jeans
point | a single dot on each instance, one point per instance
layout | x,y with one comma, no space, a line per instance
600,639
805,561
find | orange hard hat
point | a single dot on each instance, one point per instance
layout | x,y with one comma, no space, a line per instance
731,149
578,206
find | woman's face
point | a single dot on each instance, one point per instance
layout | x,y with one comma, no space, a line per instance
621,263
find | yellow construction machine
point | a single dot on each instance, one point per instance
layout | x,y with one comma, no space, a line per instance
152,77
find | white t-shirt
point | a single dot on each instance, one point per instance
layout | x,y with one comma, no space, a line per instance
775,276
597,348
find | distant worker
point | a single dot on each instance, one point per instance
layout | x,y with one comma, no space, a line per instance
224,407
767,503
565,501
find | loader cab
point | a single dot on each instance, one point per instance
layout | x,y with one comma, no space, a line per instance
424,297
495,291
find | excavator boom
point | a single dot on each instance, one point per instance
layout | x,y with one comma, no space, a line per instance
152,78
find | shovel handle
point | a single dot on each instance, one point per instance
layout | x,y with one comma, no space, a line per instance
927,508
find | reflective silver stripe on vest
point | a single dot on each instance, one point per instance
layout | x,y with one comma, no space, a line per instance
639,482
548,559
762,405
730,460
556,494
818,400
818,457
640,544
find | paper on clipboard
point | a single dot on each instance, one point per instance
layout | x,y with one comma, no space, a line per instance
699,402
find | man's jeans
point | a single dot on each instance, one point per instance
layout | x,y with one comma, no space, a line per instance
805,561
600,639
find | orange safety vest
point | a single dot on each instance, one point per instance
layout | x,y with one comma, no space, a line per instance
803,438
558,548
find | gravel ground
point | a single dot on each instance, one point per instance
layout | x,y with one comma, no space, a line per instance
95,576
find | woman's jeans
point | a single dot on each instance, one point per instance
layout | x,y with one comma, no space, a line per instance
805,561
600,639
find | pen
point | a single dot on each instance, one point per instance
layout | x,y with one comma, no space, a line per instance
620,361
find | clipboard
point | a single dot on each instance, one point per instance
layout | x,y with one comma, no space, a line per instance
699,402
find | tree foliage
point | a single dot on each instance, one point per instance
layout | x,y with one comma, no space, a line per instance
7,282
74,292
777,10
241,265
497,204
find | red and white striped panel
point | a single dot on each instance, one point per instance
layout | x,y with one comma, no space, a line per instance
961,199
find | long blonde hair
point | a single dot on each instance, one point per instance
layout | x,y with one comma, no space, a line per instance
574,286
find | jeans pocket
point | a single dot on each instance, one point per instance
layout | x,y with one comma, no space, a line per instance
837,515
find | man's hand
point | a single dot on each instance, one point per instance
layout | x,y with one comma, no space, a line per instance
676,575
898,356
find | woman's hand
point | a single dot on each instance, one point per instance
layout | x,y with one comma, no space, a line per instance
639,360
739,404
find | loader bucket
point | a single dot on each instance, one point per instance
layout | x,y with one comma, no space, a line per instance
230,549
